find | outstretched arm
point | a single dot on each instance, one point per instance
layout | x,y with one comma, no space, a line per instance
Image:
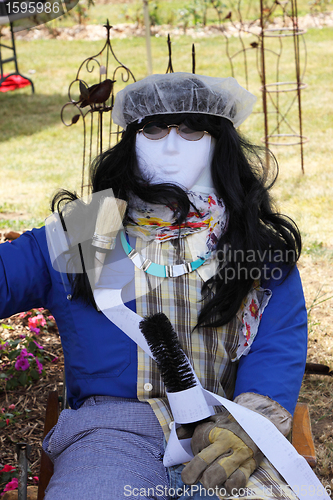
24,276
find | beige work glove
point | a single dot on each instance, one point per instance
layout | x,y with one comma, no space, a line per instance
269,408
224,455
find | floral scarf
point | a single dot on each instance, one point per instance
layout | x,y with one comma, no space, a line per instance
156,222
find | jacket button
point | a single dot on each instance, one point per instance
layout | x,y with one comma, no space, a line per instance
171,425
148,387
69,297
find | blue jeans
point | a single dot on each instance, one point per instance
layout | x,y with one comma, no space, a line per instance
109,449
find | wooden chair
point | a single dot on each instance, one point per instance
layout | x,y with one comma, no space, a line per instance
46,465
302,438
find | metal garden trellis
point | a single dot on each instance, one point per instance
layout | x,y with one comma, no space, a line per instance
278,131
96,99
269,89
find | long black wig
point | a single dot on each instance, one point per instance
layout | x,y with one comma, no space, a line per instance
258,238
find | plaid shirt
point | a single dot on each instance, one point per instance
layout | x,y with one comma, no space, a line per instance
209,349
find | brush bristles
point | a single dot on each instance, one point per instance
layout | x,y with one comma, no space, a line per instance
175,369
109,221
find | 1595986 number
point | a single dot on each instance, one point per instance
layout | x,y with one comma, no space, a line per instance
32,8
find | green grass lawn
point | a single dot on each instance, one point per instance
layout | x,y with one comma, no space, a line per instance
39,154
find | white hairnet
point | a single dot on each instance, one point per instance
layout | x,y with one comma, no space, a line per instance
182,93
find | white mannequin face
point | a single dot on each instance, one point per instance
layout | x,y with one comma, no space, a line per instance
176,160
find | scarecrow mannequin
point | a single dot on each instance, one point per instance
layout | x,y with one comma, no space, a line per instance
202,244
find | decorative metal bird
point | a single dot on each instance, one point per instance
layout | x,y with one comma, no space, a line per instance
96,94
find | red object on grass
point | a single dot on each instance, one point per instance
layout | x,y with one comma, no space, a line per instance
13,82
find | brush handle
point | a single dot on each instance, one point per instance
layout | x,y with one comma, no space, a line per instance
104,242
99,262
108,222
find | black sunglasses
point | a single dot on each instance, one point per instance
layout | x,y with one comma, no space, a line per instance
158,130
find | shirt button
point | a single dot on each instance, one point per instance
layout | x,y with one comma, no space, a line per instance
148,387
69,297
171,425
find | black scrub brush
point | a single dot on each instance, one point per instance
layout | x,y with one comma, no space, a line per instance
171,360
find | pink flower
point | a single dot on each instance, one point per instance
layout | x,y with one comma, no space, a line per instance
22,336
36,321
22,315
3,347
35,330
41,320
50,318
7,421
33,322
22,364
8,468
35,479
12,485
39,366
3,411
54,360
11,407
23,353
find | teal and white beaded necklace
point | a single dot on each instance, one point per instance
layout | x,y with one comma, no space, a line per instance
159,270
